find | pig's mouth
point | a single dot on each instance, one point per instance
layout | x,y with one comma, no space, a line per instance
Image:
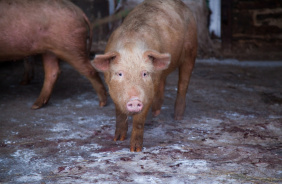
134,106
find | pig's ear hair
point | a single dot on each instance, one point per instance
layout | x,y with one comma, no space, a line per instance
159,61
102,62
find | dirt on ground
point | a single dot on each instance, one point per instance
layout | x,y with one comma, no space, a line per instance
231,131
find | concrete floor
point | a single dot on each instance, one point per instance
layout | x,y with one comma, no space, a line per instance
231,132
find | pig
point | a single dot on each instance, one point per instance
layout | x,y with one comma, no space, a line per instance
56,29
156,38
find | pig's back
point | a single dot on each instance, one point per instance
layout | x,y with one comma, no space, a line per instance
162,24
156,12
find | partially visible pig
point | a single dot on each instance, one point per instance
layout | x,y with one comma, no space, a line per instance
155,38
57,29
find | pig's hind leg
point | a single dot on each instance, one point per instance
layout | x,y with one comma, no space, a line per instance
52,71
185,71
85,68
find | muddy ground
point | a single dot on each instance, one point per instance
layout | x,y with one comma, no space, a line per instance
231,132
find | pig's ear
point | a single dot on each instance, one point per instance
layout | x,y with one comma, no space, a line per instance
160,61
102,62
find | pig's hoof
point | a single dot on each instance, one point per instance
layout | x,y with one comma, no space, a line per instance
156,113
120,134
102,103
135,149
35,106
39,103
178,118
136,146
120,137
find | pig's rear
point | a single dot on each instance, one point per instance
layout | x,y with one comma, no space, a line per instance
32,27
57,29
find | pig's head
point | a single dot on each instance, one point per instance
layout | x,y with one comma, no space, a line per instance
132,75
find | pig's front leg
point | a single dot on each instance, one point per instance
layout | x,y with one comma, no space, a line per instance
136,142
185,71
121,125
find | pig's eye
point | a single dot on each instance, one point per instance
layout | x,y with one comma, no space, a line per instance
145,74
120,74
112,58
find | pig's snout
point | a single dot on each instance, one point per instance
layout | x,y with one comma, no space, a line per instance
134,105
